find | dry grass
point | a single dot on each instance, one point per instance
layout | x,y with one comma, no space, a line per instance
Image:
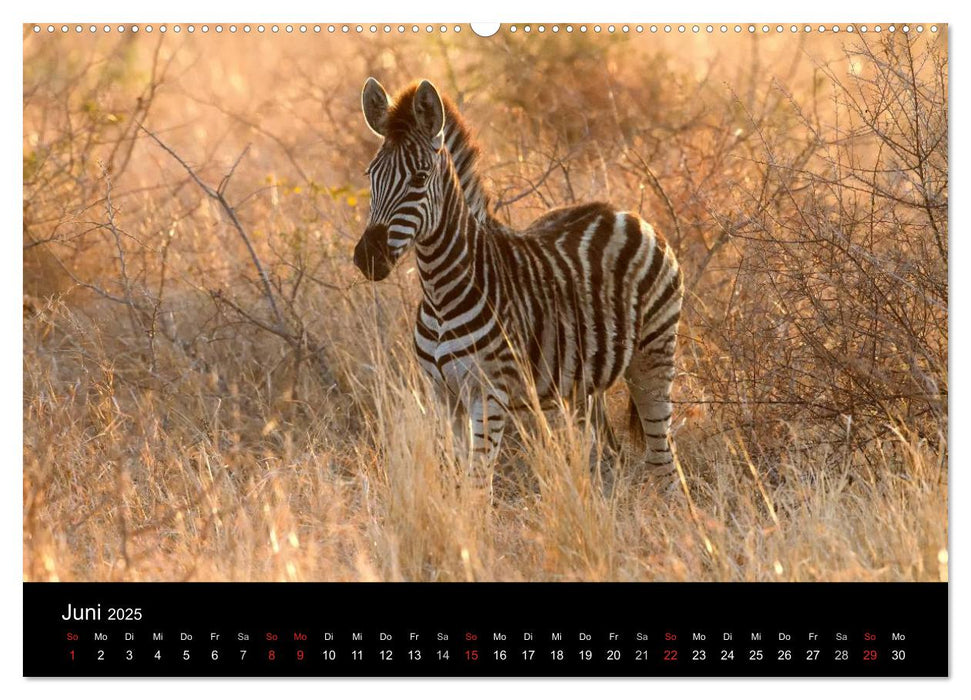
176,429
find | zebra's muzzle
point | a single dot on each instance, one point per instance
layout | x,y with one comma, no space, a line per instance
371,253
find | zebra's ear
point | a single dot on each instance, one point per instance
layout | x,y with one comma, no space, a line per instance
430,112
375,103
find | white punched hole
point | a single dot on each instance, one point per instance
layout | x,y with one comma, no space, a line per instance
485,29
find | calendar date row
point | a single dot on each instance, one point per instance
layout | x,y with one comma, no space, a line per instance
412,655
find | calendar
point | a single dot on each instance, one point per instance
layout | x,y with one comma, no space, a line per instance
383,349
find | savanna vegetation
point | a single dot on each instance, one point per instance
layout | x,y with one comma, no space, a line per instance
213,392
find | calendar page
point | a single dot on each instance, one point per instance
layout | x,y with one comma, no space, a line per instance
382,349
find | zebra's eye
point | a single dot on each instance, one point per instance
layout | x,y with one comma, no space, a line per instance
419,178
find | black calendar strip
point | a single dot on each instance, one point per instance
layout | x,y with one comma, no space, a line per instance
561,629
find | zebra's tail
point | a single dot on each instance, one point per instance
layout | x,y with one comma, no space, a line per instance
634,427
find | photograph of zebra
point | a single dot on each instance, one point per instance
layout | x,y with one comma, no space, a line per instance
564,303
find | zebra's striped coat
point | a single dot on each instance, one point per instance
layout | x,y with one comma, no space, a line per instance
585,295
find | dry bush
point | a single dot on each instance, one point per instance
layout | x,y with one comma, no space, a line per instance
213,393
840,294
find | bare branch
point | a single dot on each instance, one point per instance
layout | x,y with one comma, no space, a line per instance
217,195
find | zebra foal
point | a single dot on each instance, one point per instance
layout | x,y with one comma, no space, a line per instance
585,295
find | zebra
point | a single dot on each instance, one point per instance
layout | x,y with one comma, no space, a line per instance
585,295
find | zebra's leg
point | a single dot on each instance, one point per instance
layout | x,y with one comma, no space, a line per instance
487,422
456,412
649,378
606,447
601,425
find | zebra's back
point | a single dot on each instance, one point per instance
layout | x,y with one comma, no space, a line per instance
578,285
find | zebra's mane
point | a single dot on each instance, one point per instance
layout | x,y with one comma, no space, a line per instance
459,141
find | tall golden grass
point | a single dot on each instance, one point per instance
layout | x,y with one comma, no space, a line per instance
177,428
